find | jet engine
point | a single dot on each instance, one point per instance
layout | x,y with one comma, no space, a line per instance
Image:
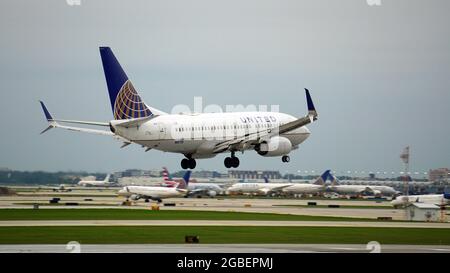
135,197
276,146
212,193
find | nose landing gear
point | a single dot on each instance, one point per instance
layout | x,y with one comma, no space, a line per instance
285,158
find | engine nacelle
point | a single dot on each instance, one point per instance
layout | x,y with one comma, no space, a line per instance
276,146
135,197
212,193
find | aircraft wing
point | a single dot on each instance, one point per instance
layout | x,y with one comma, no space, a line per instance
257,137
280,188
135,121
53,123
266,191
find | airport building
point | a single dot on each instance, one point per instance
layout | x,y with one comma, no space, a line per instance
438,174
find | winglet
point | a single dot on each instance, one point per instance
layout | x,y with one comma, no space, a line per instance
48,117
311,109
46,112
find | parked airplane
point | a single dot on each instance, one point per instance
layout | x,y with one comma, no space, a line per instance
436,199
360,189
196,136
197,188
257,188
309,188
62,188
95,183
156,193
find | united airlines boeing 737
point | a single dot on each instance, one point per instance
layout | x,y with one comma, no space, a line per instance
196,136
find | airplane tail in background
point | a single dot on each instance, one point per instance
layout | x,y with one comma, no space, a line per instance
323,178
447,196
333,179
185,182
107,178
166,175
266,179
125,101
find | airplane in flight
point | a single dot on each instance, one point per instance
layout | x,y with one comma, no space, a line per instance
96,183
309,188
435,199
194,135
360,189
156,193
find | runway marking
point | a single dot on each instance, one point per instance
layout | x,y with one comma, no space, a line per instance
213,248
27,223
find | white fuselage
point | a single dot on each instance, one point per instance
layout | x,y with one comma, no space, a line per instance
95,184
435,199
205,186
197,134
256,188
145,192
359,189
304,188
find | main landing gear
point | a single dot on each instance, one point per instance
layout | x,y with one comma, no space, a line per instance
188,163
231,162
285,158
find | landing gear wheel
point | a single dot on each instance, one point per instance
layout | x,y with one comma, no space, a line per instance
185,163
192,163
286,158
231,162
235,162
227,162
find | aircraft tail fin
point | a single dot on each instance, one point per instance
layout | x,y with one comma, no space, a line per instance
333,179
185,182
266,179
323,178
446,195
166,174
125,101
107,178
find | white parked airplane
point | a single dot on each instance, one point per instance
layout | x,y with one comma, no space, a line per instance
156,193
257,188
309,188
196,136
435,199
197,188
360,189
96,183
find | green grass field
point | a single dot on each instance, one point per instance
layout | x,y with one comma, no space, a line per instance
221,235
147,214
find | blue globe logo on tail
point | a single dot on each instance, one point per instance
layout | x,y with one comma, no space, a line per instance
128,104
125,101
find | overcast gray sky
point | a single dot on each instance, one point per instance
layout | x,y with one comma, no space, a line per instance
379,76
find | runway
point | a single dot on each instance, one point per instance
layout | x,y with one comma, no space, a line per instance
279,206
221,223
222,248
